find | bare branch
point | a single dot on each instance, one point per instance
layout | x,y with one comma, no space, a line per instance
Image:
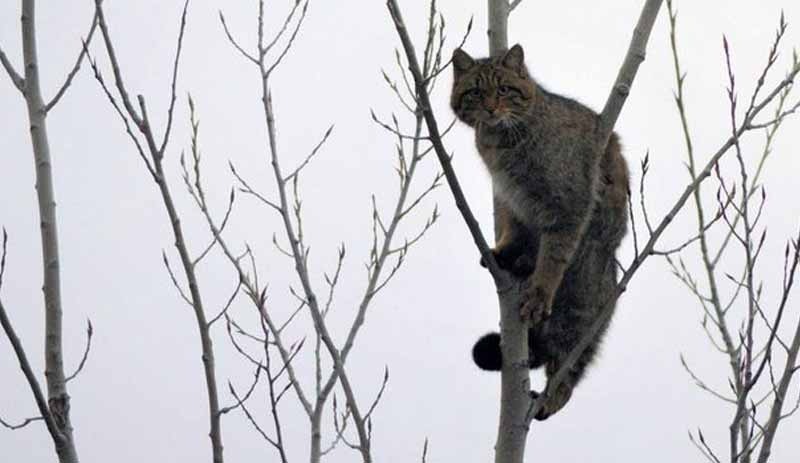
632,216
380,393
777,120
233,41
240,402
704,448
645,166
112,56
770,137
633,58
438,69
435,137
56,410
273,398
720,214
174,279
339,428
173,91
289,44
89,333
396,90
75,68
222,226
332,282
310,156
156,155
402,68
24,364
257,296
16,79
294,350
699,383
24,423
436,183
3,257
23,360
294,235
33,383
790,367
263,50
428,224
247,189
99,77
237,346
227,306
250,417
771,59
242,331
394,130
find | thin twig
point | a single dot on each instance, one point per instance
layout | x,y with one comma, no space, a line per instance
250,417
173,90
16,79
233,41
25,422
240,402
702,385
308,158
268,71
22,358
227,305
174,279
266,48
71,75
156,155
112,56
89,333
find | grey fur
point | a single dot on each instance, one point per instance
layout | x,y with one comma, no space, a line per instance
562,202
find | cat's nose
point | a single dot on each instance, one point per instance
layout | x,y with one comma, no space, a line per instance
490,104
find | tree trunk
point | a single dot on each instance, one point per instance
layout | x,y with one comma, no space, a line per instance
58,398
515,379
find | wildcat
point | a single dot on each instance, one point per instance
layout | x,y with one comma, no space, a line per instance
560,204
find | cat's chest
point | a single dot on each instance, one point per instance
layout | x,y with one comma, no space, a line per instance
499,157
496,150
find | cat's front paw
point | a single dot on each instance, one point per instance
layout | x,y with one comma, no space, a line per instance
501,256
510,258
537,307
523,266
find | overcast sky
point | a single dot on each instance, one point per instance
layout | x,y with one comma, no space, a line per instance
142,396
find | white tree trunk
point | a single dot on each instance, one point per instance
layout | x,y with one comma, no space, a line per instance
58,398
515,378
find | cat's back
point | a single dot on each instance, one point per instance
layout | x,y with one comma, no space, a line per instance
567,114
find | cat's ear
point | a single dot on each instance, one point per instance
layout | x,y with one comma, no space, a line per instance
514,59
462,62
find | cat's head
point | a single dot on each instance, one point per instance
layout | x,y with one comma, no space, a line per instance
494,91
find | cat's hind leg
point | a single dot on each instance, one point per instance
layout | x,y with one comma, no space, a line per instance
558,396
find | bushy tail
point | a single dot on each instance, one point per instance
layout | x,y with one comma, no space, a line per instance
486,352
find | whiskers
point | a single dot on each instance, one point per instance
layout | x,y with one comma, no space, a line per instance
514,127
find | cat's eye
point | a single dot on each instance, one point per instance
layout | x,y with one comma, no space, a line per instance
474,92
504,90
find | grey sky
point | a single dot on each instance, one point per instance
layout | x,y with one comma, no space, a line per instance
141,396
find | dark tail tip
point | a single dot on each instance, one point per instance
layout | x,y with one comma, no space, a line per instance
486,352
